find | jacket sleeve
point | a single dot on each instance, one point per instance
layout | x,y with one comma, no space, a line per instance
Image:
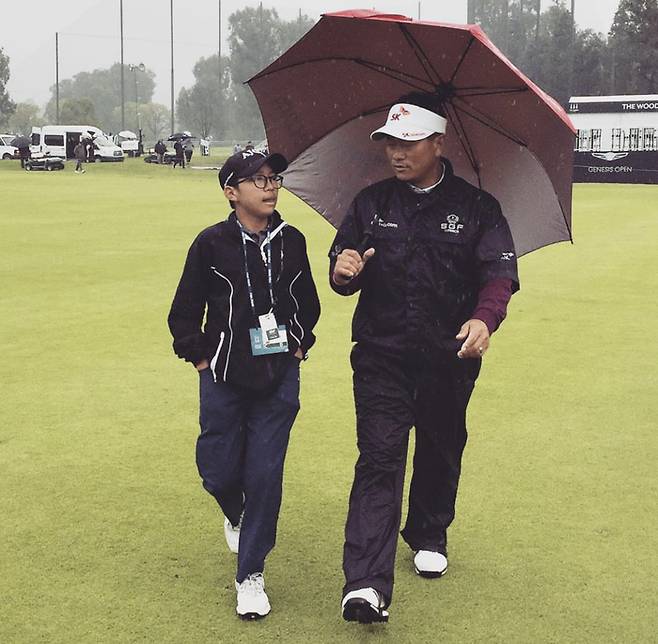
188,309
349,235
309,307
495,253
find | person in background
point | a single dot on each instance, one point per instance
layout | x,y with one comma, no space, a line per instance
89,144
80,155
188,148
180,155
24,154
160,149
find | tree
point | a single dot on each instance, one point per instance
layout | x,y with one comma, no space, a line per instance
26,116
257,37
591,64
634,47
202,108
77,111
7,106
155,120
103,88
549,58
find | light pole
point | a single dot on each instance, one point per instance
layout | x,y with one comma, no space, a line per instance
171,27
123,99
134,69
57,77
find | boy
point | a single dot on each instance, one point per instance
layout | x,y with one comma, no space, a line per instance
250,276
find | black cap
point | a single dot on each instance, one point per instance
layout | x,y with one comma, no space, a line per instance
244,164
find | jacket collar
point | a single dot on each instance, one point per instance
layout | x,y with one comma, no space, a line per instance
274,224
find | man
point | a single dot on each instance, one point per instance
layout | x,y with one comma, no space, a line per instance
24,154
433,259
188,149
160,149
180,154
249,276
80,155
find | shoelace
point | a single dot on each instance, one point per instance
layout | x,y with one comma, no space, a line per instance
254,584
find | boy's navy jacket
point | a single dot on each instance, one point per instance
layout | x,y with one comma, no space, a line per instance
214,284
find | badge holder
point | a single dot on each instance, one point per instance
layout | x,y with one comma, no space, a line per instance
260,345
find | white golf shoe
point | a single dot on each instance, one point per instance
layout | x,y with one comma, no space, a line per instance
365,605
430,564
232,535
253,602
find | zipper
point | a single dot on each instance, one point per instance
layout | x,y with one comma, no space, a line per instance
294,315
230,328
213,362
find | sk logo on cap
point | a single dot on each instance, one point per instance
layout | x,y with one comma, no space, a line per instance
402,112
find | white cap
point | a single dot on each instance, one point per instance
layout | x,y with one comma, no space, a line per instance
410,123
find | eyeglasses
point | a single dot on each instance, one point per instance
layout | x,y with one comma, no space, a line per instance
261,180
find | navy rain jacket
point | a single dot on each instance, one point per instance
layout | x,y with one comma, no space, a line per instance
214,283
433,254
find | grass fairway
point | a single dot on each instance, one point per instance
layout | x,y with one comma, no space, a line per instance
107,535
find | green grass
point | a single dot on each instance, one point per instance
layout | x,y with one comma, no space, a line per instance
108,536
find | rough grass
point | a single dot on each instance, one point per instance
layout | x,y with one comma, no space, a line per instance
108,536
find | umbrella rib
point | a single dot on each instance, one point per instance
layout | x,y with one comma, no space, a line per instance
461,60
425,62
466,144
382,69
482,91
481,118
393,73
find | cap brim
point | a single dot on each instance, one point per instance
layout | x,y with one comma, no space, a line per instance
396,133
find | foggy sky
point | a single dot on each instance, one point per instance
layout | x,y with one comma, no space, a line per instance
89,34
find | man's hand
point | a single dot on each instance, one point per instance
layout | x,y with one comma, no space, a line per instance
202,365
476,339
299,355
349,264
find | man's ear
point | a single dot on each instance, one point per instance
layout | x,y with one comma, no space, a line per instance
231,192
438,142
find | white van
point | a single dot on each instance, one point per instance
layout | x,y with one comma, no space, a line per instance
129,142
60,140
7,151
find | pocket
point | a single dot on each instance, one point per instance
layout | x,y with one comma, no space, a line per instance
288,389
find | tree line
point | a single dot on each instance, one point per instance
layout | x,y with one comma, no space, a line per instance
547,46
218,104
565,60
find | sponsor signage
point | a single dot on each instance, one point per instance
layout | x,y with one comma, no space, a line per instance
616,167
607,107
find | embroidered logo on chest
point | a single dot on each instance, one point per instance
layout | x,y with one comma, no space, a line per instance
452,225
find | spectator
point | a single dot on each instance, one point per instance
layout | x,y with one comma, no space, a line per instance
160,149
80,154
24,154
188,149
180,155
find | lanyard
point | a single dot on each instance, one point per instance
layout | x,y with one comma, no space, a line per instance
268,265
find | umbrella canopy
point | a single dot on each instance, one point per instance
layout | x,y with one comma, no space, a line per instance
20,142
180,135
127,134
321,99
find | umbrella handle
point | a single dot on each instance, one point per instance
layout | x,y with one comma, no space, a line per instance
366,242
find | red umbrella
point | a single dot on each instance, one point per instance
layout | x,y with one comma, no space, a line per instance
321,99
